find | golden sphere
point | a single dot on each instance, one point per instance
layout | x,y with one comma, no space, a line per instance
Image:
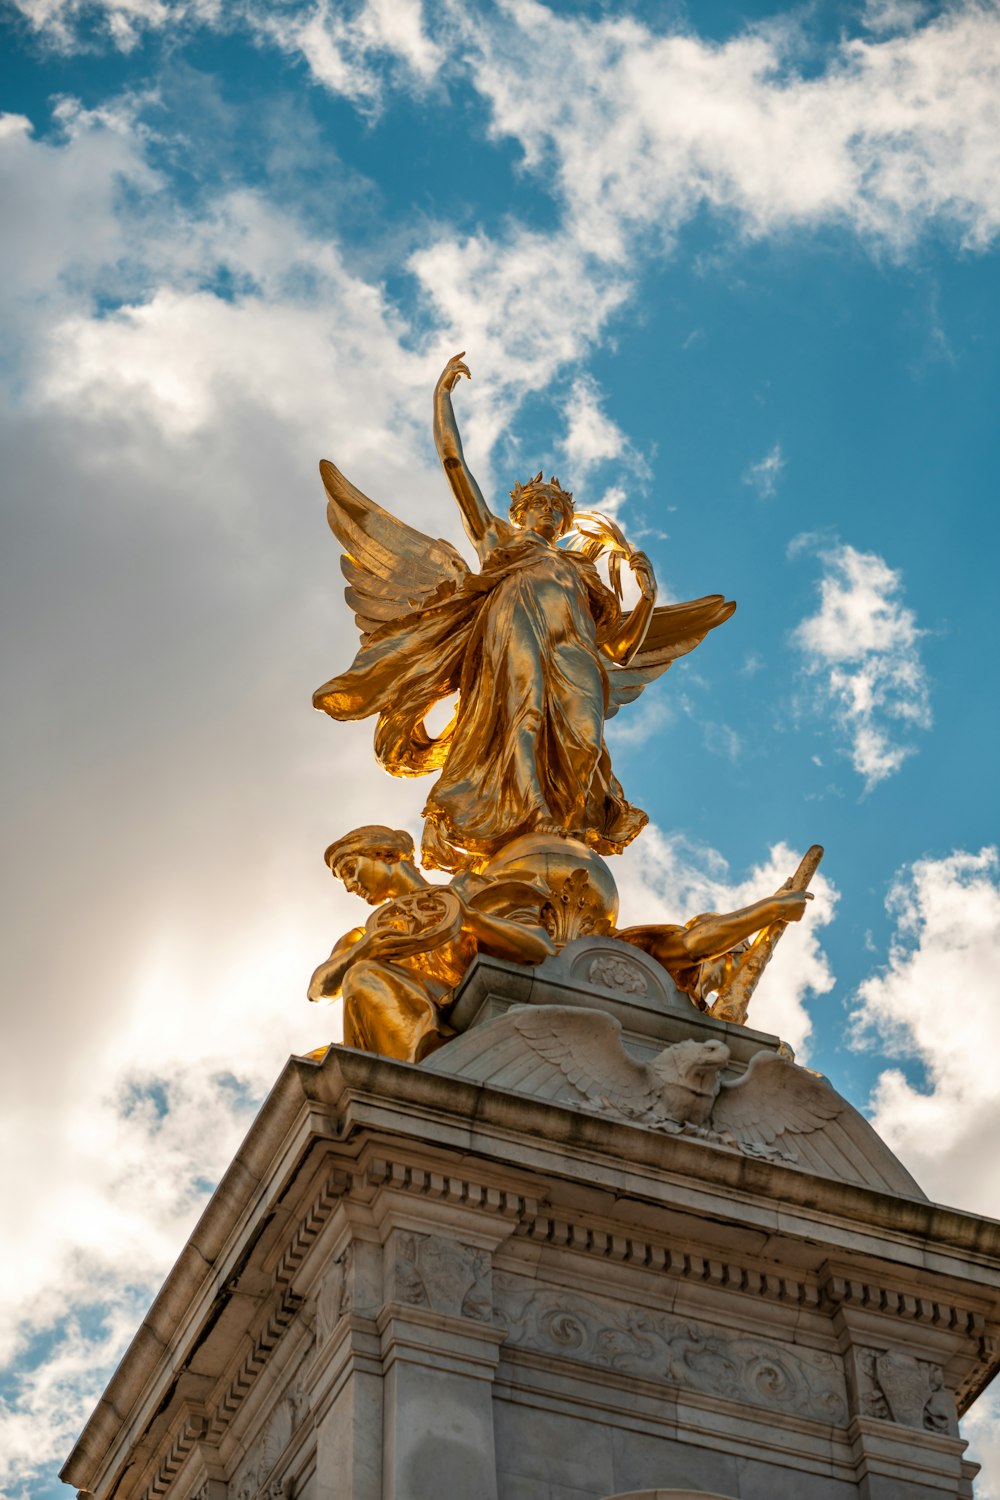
547,861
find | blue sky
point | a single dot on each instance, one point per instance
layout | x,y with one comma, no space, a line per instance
730,271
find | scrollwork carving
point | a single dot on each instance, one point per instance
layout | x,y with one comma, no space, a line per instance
759,1372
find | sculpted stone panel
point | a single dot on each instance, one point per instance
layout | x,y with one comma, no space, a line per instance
444,1275
637,1341
896,1387
334,1297
615,973
257,1479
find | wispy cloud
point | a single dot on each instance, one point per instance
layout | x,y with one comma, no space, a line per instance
935,1001
640,722
591,436
345,48
898,131
862,647
894,133
894,15
763,476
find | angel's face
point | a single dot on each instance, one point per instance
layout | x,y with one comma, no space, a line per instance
366,876
543,515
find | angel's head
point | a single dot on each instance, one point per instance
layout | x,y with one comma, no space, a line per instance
367,860
543,508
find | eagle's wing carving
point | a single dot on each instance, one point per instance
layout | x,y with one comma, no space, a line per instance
586,1048
391,569
775,1100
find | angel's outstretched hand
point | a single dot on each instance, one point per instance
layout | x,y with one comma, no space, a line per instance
791,904
453,371
642,571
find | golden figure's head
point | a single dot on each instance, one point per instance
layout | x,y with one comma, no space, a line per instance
543,508
367,860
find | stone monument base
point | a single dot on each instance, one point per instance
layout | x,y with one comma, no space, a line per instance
414,1284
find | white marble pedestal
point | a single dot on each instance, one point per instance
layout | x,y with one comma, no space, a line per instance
411,1285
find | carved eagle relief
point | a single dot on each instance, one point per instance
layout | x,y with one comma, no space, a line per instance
775,1109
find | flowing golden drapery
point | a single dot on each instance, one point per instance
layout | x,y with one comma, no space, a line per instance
535,645
519,642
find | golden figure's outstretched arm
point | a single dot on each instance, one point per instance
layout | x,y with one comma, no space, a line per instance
672,630
326,983
715,934
595,535
505,939
479,520
328,980
623,643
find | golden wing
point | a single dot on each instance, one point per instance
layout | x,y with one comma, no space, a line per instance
391,569
674,630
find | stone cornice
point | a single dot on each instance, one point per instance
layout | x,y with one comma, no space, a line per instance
306,1151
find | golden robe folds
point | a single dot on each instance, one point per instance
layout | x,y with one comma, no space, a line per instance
519,642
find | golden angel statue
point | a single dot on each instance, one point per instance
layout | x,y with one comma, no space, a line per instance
538,648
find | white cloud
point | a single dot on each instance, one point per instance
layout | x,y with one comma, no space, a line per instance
763,476
344,47
64,22
638,723
899,131
663,878
591,436
170,596
935,1002
981,1427
892,135
344,50
55,1397
894,15
524,306
863,647
65,233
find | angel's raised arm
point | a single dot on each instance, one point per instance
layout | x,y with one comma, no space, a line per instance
480,522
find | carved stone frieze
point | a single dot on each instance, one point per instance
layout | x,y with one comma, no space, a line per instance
258,1478
896,1387
444,1275
637,1341
211,1489
334,1298
615,973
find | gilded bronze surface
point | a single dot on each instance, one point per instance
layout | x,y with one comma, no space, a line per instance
538,652
396,973
536,645
726,953
733,998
